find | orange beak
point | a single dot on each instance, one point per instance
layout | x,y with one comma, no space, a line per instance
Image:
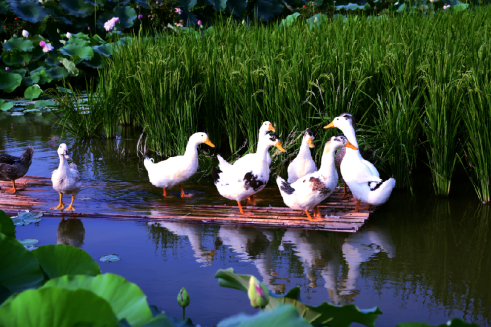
331,125
278,145
311,143
351,146
271,128
208,142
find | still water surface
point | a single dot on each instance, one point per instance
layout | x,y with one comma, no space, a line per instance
419,258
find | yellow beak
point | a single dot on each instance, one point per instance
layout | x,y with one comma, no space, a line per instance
351,146
311,143
331,125
208,142
271,128
278,145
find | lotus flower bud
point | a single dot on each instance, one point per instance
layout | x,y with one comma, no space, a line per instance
183,298
258,293
42,44
68,35
25,33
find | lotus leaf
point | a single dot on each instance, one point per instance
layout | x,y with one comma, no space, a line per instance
9,82
17,114
53,306
282,316
336,316
5,106
316,20
4,8
125,298
95,62
401,8
31,11
70,66
104,50
456,322
77,8
15,58
32,92
21,71
126,15
43,104
57,13
110,258
81,51
288,21
218,5
31,247
61,259
238,7
96,2
267,9
19,44
7,227
187,5
19,269
26,218
350,6
57,73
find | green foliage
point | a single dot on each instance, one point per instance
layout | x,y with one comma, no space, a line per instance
284,315
19,269
32,92
53,306
456,322
126,299
7,227
326,313
59,260
9,82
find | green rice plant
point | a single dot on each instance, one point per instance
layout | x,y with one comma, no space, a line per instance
476,115
441,126
395,133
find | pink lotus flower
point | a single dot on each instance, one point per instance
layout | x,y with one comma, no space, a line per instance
109,25
446,6
47,47
178,10
6,68
140,16
42,44
199,23
178,24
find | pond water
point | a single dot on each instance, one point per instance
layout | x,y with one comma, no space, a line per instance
419,258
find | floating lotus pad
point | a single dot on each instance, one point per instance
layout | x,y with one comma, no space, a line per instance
110,258
28,241
25,218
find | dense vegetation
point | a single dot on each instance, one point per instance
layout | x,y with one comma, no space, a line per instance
61,285
418,83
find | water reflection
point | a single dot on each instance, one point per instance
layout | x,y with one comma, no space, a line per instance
70,231
336,258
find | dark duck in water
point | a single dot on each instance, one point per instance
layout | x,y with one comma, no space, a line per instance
12,168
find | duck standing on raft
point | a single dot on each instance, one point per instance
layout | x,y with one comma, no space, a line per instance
361,175
12,168
178,169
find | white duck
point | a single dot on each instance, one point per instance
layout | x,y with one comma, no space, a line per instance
303,164
178,169
361,175
242,181
65,179
263,131
307,192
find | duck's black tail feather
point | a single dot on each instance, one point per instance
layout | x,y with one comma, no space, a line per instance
215,173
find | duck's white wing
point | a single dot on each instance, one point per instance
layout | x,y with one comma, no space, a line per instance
362,175
372,168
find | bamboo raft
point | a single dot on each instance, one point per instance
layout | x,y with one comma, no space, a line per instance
140,202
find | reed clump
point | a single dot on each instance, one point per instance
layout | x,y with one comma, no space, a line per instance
404,76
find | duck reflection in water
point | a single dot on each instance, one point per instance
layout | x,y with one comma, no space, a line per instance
322,254
194,235
328,258
70,232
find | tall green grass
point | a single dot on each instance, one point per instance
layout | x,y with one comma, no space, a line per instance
235,76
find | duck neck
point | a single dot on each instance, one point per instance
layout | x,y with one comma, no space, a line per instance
351,136
262,151
327,162
63,164
304,151
191,150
